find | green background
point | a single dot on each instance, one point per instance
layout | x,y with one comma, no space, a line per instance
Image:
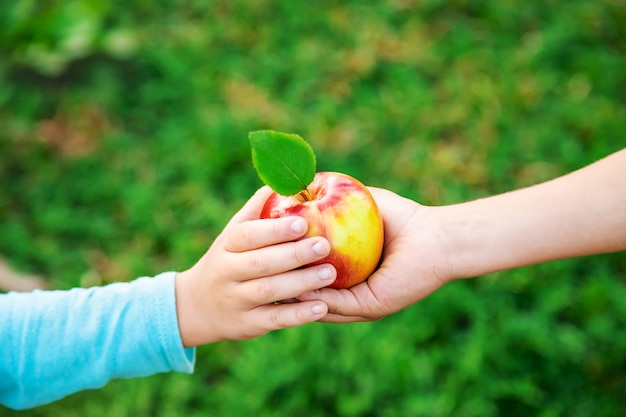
123,143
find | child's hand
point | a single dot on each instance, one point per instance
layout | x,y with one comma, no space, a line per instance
230,292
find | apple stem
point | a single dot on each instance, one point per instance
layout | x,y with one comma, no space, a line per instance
306,195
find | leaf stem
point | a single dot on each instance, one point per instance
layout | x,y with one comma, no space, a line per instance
305,195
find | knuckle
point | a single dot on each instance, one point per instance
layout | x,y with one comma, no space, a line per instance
376,313
265,289
277,319
277,229
309,279
301,253
259,264
372,311
245,238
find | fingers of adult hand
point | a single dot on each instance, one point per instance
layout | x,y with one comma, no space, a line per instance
255,234
358,303
276,259
288,285
339,319
275,317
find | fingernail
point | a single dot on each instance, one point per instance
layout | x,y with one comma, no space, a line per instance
317,309
325,273
320,249
298,226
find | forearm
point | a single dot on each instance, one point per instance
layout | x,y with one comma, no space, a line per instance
579,214
58,342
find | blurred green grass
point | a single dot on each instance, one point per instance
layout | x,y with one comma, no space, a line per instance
124,151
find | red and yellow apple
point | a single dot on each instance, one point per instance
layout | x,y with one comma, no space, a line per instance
341,209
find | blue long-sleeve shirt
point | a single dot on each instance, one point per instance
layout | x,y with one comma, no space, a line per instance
55,343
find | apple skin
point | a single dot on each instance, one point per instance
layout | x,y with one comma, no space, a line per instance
341,209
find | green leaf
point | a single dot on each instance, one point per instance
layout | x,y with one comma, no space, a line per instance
284,161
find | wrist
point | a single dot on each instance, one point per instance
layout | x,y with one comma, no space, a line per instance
431,227
461,233
191,323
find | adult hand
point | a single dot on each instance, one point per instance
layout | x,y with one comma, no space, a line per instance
412,266
579,214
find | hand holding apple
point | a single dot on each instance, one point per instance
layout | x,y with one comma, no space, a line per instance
414,265
229,293
336,206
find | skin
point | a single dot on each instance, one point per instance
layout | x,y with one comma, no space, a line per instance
579,214
229,293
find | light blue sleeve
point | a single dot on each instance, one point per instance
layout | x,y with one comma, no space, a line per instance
54,343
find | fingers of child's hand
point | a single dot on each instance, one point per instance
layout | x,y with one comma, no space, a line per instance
252,208
258,233
288,285
276,259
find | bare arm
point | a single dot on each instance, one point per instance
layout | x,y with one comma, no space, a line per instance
582,213
579,214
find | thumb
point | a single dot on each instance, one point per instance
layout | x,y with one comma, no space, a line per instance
252,208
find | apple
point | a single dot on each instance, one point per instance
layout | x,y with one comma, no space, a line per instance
340,208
